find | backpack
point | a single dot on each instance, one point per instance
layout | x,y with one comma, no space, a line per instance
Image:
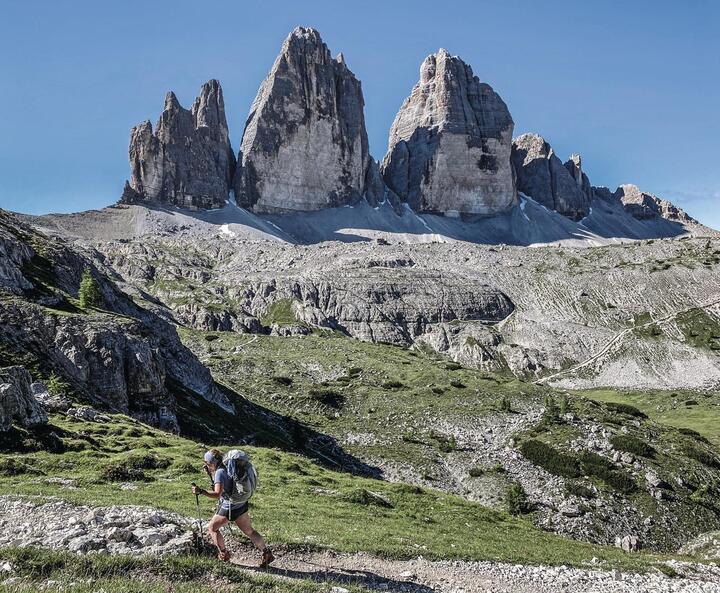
243,474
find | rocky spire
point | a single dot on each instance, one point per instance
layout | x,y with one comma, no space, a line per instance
305,146
542,176
449,147
188,160
574,166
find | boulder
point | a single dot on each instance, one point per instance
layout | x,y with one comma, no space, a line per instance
17,403
187,161
449,146
627,543
305,146
542,176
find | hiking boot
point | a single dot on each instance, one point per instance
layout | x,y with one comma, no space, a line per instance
267,558
224,555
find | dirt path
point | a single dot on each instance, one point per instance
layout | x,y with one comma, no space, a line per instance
425,576
617,338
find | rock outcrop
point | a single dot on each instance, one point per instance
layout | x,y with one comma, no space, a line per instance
187,161
305,146
122,356
644,206
17,402
81,529
542,176
449,146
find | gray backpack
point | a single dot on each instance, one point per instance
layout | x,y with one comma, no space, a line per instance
243,475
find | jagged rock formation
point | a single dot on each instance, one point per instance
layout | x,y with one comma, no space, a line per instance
644,206
305,146
574,165
449,146
542,176
119,354
17,402
187,161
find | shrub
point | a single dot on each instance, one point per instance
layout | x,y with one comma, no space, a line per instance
626,409
631,444
185,467
147,461
701,455
476,471
211,337
516,499
89,292
563,405
354,371
694,434
328,397
56,386
550,459
599,467
367,498
392,385
119,471
457,384
691,402
452,366
552,412
14,467
446,444
438,390
280,380
504,404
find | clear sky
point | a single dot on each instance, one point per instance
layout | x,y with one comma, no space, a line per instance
633,86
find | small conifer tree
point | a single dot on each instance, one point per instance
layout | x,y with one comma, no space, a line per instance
89,293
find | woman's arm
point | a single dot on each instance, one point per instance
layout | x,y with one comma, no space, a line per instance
209,493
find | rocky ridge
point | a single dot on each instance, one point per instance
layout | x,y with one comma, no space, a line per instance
532,312
305,149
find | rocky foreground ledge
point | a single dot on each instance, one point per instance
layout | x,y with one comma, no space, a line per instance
82,529
139,531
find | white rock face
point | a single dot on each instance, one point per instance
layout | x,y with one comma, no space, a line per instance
449,146
305,146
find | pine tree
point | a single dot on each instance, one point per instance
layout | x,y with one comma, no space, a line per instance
89,293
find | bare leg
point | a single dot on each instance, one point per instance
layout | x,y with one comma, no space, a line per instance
214,530
243,522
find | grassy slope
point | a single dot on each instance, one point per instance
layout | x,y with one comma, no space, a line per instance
342,386
300,503
682,409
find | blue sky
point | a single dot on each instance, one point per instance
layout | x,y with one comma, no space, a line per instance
632,86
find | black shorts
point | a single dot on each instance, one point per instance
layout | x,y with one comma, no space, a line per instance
232,512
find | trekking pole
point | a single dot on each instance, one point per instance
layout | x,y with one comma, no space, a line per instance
197,504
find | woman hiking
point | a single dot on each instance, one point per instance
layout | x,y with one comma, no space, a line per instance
233,500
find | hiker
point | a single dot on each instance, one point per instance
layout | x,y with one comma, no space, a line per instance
234,480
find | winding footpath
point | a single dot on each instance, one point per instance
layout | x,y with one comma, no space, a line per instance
617,339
